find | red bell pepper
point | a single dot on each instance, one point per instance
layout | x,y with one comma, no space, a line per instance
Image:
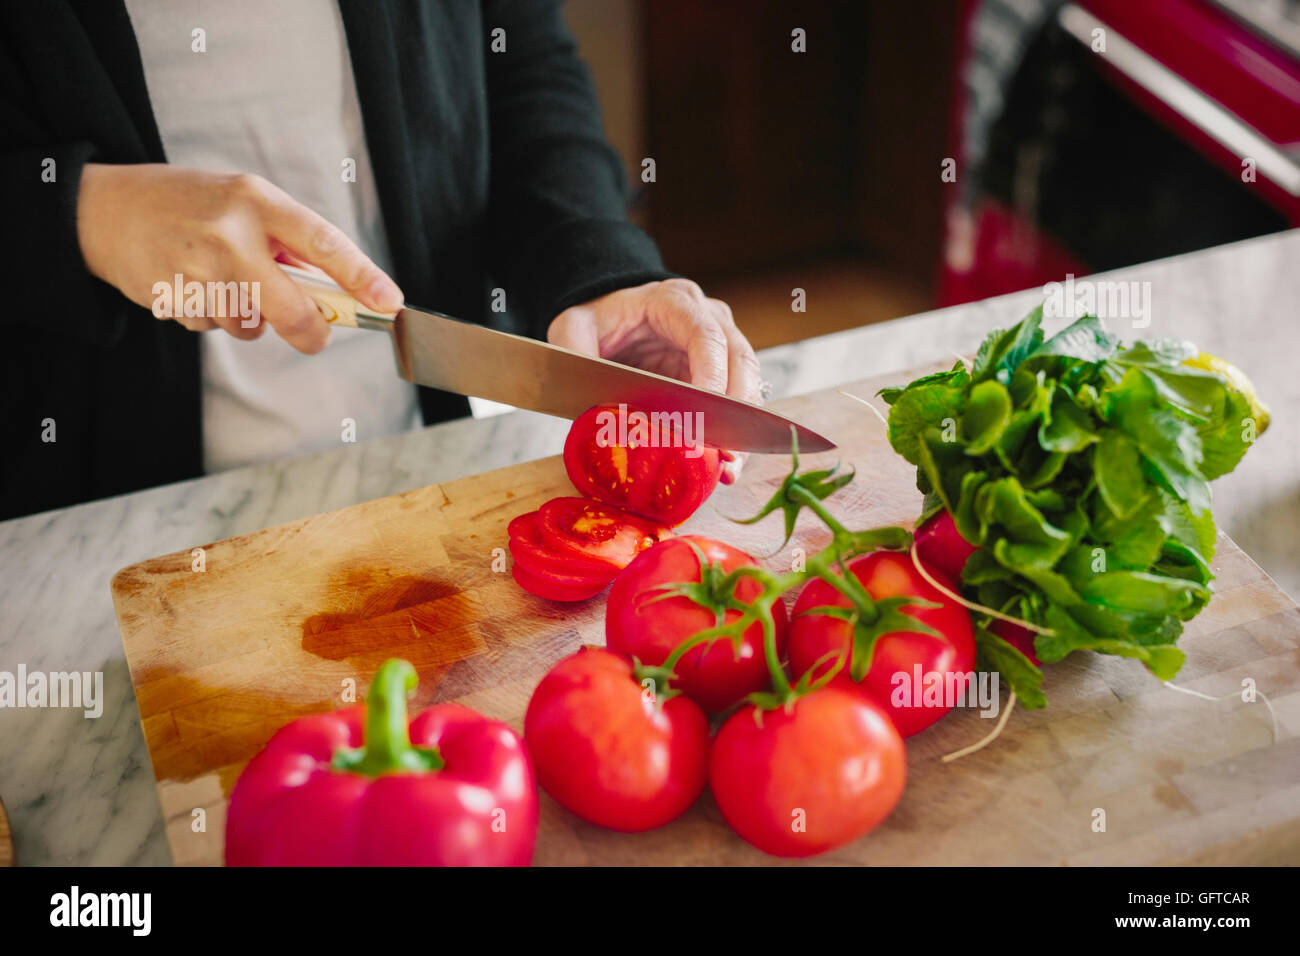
452,789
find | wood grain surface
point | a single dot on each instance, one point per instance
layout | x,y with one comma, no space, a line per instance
284,622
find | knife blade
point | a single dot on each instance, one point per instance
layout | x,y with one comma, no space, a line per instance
444,352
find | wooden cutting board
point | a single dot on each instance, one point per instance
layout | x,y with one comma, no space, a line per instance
295,620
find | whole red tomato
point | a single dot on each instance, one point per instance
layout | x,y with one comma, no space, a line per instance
887,574
604,749
665,482
807,778
641,624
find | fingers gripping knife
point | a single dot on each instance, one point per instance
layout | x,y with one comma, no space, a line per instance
442,352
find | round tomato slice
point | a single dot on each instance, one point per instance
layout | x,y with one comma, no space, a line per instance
604,750
592,531
527,544
554,577
653,473
804,779
546,582
641,624
887,574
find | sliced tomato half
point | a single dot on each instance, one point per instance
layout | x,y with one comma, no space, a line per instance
545,581
527,544
556,577
653,473
579,528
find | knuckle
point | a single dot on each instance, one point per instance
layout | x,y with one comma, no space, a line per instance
724,312
681,292
687,286
362,275
709,330
247,187
294,321
327,239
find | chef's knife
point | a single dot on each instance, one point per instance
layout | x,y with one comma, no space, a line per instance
442,352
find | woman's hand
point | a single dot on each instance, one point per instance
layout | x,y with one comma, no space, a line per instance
143,224
669,327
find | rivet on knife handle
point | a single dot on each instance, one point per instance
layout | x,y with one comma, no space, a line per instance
335,305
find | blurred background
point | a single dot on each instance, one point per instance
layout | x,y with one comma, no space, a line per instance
1083,136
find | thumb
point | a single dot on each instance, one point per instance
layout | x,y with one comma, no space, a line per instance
575,329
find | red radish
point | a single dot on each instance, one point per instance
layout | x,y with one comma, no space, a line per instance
1021,638
940,545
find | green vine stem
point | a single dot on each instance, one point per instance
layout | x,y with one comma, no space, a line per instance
717,591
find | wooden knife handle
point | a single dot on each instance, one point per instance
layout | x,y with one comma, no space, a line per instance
335,305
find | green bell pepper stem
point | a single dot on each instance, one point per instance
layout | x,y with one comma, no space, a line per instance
387,745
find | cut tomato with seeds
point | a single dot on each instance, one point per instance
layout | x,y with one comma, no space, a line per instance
546,574
546,582
654,473
585,529
528,545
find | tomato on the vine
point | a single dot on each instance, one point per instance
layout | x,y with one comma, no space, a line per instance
810,776
822,638
663,482
642,622
607,750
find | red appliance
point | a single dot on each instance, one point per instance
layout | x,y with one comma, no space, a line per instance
1218,82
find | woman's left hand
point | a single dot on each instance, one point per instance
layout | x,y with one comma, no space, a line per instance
670,327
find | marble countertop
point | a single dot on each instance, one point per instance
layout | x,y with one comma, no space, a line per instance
81,791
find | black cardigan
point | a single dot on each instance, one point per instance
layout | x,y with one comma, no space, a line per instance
491,168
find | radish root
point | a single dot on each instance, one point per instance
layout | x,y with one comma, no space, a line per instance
858,398
992,736
1196,693
971,605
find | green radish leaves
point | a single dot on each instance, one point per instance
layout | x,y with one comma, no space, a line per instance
1019,672
1081,467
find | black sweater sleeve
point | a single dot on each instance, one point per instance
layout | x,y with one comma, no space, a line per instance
38,191
39,184
54,120
558,234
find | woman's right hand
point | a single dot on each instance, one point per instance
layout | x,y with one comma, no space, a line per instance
142,224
